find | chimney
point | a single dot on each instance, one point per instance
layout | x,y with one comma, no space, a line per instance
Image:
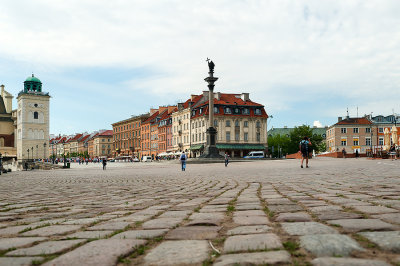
2,90
162,109
171,109
339,119
192,97
152,111
218,96
180,106
205,93
245,96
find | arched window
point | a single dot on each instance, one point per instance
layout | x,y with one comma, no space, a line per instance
35,115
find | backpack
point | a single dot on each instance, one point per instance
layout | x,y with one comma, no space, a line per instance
304,146
183,157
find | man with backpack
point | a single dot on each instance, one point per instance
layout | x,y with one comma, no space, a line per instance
183,158
305,151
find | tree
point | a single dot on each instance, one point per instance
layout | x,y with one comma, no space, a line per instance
298,133
277,142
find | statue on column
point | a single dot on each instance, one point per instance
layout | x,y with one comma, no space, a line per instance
211,65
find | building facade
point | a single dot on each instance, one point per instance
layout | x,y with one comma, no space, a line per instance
241,124
103,144
126,139
32,120
7,128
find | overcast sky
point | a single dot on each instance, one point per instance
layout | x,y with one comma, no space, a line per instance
103,61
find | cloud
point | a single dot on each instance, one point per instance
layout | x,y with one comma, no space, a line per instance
285,53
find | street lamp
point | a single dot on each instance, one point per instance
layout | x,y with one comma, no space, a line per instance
37,151
28,154
44,151
65,165
32,153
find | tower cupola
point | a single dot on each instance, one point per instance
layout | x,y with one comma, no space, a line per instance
32,84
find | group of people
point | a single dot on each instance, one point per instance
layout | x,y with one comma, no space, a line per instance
183,159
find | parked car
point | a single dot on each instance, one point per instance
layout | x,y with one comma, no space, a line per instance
255,155
146,159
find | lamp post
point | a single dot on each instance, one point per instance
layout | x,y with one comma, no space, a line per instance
32,154
65,165
37,151
44,151
28,154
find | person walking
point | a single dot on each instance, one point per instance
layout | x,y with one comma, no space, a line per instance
392,152
104,164
226,159
344,153
182,159
304,150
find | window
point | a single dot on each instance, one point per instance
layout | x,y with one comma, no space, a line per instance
355,142
258,136
343,131
193,113
355,130
201,110
367,130
257,111
228,110
237,136
202,123
228,136
258,124
381,131
237,123
344,143
215,123
246,136
216,111
228,123
237,111
380,141
35,115
246,124
246,111
368,141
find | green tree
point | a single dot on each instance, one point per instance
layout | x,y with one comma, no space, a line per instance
278,142
298,133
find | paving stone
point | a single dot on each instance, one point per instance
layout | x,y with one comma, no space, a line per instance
385,240
285,208
140,234
375,209
18,261
325,216
280,201
250,220
218,216
253,242
109,226
347,262
90,234
132,218
6,243
249,213
52,230
103,252
254,258
12,230
389,217
46,248
293,217
307,228
252,206
82,221
193,233
181,252
356,225
329,244
160,223
249,229
174,214
325,208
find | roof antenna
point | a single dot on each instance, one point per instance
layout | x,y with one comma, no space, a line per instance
347,113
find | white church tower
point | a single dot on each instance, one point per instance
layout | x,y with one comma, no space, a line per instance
32,121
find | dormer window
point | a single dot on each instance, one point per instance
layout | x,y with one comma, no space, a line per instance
228,110
246,111
216,111
201,110
193,112
237,111
257,111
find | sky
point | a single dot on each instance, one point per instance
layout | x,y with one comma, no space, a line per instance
104,61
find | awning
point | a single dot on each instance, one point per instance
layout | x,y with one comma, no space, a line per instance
196,147
241,147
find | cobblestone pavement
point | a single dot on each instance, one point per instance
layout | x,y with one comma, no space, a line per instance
338,212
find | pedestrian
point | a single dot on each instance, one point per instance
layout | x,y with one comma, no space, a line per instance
182,159
392,152
226,159
86,160
344,153
104,164
304,150
357,154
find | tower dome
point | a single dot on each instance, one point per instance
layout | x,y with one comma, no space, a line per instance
32,84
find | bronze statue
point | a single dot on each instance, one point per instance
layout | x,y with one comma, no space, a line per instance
211,65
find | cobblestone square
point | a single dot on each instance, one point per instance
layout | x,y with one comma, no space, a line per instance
155,214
